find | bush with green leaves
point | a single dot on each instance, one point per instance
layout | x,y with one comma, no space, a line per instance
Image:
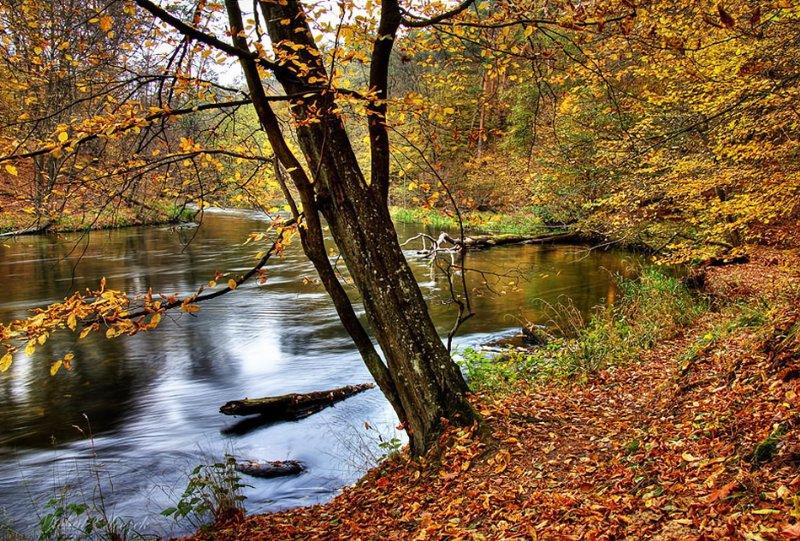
651,308
65,521
213,495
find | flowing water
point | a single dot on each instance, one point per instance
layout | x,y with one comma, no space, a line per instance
136,414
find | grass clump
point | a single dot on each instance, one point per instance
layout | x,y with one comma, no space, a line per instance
652,307
474,221
212,496
768,447
180,213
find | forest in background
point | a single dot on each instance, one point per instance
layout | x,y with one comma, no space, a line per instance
663,124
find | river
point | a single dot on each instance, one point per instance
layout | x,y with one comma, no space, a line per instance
136,414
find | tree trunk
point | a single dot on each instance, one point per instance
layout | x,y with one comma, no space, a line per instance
428,382
423,383
419,378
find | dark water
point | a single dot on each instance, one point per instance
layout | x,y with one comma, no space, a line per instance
152,400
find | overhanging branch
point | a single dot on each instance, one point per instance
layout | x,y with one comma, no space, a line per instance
149,118
419,22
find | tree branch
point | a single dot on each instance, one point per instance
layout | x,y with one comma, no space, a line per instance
421,23
193,33
149,118
379,83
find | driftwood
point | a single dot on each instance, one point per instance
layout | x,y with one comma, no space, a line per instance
270,468
448,244
32,230
248,424
292,405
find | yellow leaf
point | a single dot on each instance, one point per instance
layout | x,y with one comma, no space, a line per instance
62,137
84,332
212,284
189,308
11,170
68,360
688,457
42,339
5,362
106,23
232,283
72,322
55,367
155,320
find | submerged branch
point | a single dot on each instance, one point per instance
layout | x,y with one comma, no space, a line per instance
445,244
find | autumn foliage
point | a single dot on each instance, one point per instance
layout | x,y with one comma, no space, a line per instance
668,125
693,439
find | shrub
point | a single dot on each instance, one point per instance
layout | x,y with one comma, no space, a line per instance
212,496
652,307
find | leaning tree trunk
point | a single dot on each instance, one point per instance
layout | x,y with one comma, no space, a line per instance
420,379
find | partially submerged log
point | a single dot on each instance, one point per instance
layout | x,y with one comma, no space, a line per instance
32,230
270,468
248,424
448,244
292,405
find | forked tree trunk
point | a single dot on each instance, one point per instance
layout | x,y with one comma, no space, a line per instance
429,384
419,378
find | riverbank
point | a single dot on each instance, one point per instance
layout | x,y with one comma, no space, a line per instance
681,427
16,223
518,223
475,221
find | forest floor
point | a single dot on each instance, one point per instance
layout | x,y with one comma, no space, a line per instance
697,438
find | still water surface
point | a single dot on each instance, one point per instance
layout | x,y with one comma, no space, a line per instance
144,409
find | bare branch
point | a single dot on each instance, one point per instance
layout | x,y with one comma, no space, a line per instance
419,22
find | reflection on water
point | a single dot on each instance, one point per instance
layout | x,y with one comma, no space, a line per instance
151,401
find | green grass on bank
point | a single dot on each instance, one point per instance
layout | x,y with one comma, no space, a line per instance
652,308
109,218
474,221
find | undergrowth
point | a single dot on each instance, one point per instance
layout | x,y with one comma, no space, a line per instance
486,222
652,307
212,496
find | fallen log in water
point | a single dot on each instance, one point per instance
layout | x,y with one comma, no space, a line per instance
293,404
270,468
448,244
32,230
